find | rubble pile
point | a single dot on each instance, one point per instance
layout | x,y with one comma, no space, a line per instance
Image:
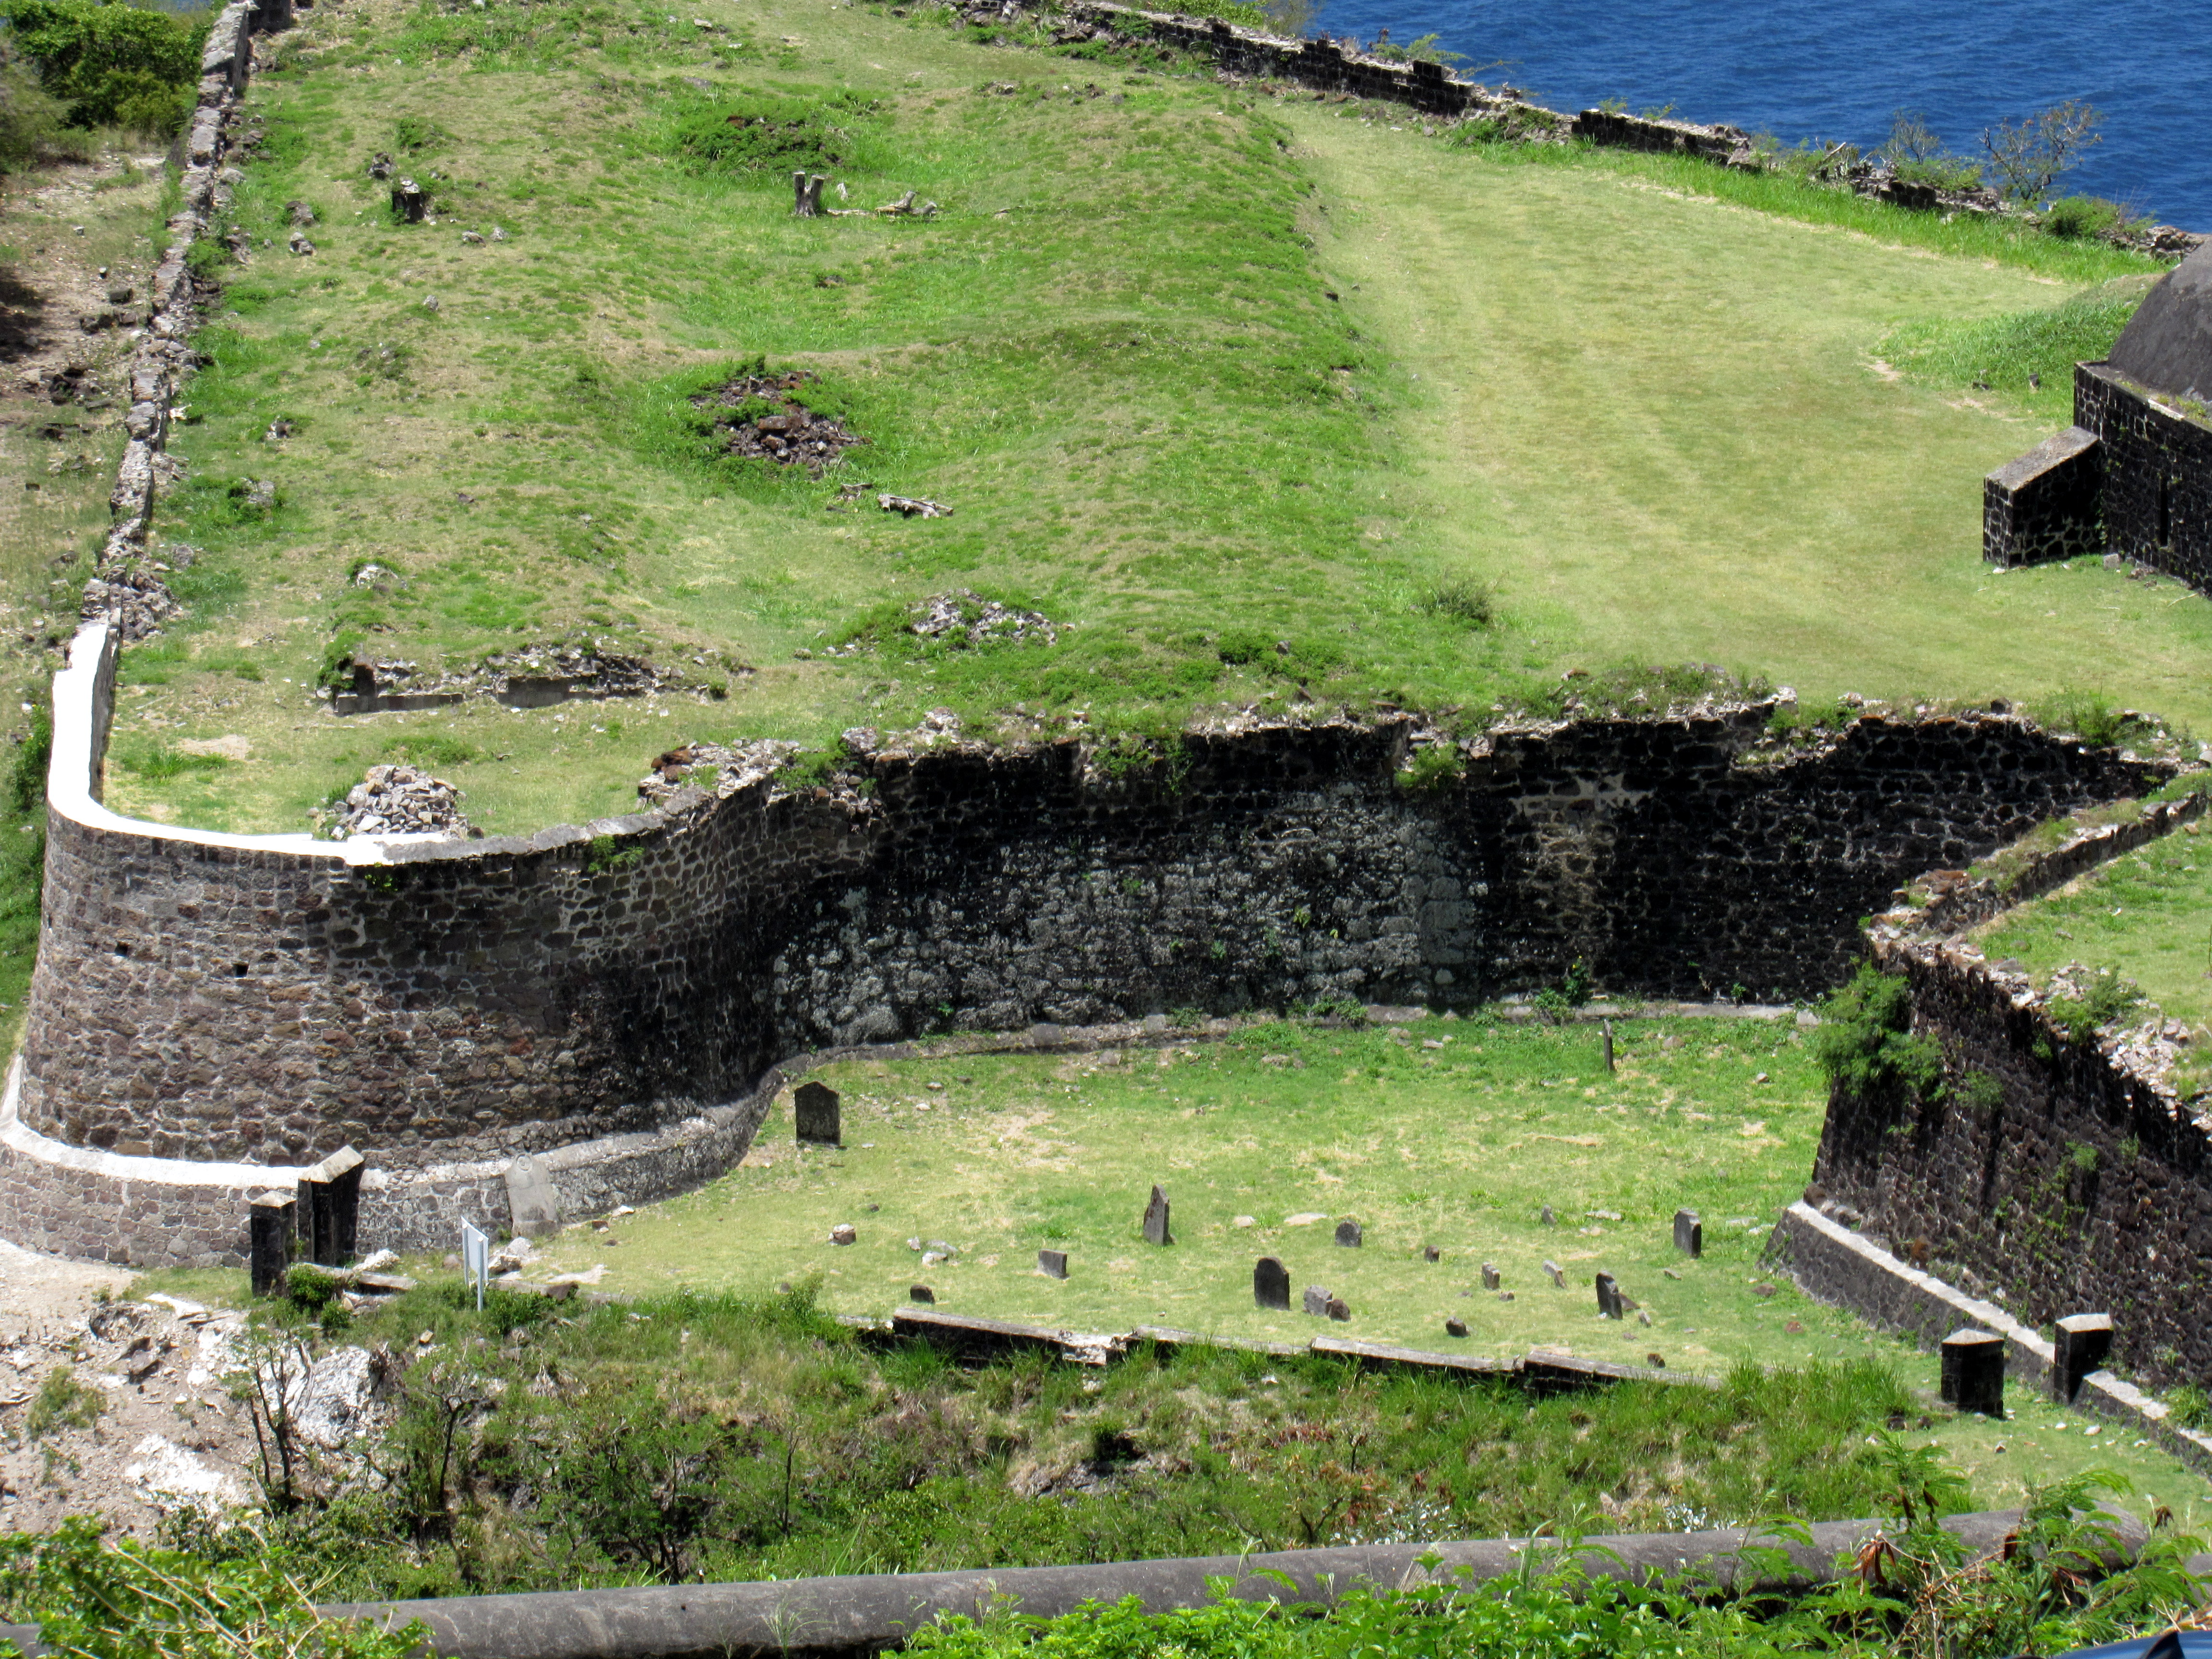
789,433
132,599
981,621
719,768
401,800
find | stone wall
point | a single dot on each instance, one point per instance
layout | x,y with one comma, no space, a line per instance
2088,1187
2044,505
2156,497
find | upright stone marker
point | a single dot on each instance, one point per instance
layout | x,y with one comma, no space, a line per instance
330,1213
1430,1252
1271,1284
1547,1217
533,1202
269,1230
2081,1343
1559,1279
1608,1297
1489,1276
1316,1301
1156,1219
1973,1371
1053,1264
1689,1233
815,1116
921,1293
1348,1235
1605,1043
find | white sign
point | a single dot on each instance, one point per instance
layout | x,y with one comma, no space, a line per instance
476,1258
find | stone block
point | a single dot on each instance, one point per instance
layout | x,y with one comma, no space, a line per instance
1973,1371
815,1114
270,1226
1316,1301
2046,504
1608,1297
1271,1284
534,1201
1689,1233
329,1212
2081,1344
1349,1236
1156,1219
1053,1264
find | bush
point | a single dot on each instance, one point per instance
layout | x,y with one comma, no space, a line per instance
2076,216
2090,716
1864,1043
2029,156
2102,1001
1916,153
771,135
1464,601
112,64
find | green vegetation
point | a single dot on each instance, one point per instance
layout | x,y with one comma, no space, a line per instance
2001,354
1238,458
2138,924
62,1402
111,63
1864,1043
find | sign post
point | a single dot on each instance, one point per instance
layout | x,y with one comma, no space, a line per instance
476,1258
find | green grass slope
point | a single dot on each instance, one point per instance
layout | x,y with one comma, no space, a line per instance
1239,388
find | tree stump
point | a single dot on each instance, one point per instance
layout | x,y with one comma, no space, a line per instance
409,202
806,194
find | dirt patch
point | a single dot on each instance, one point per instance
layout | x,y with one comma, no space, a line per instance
767,422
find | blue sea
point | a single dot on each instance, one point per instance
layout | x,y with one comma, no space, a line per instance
1840,72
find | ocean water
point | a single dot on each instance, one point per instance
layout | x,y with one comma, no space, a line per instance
1836,72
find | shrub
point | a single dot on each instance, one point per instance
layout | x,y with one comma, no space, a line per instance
1464,601
2075,216
62,1402
1980,1093
112,64
2191,1407
2029,156
2090,716
771,135
2101,1001
1864,1043
1916,153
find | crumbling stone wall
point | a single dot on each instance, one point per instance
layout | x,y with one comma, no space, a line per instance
266,1001
2088,1187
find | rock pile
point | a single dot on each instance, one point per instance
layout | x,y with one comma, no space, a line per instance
400,800
133,599
786,431
979,620
719,769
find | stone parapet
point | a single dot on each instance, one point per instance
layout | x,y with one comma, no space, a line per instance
2045,505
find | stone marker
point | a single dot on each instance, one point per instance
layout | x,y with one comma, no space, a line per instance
1316,1301
1973,1371
842,1233
330,1211
268,1230
1505,1296
1053,1264
1689,1233
1338,1308
2080,1343
1348,1235
409,202
814,1113
532,1200
1489,1277
1156,1219
1656,1361
1605,1042
1608,1297
1271,1284
920,1293
1455,1328
1430,1252
1559,1279
1547,1217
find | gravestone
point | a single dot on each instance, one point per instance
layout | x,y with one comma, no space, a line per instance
1455,1327
2081,1344
1973,1371
533,1202
1271,1284
269,1231
1608,1297
1156,1219
1605,1043
1338,1308
1053,1264
1689,1233
1489,1277
1348,1235
1559,1279
330,1209
814,1113
1430,1252
1316,1301
1547,1217
921,1293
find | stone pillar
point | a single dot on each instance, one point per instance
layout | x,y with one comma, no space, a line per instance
331,1208
1608,1297
1973,1371
269,1229
814,1112
2081,1343
1156,1219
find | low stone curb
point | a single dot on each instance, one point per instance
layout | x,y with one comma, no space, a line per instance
1831,1263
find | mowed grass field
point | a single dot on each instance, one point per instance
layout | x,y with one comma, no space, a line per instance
1459,1145
1236,386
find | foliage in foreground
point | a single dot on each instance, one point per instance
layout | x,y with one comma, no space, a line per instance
112,64
1913,1592
94,1601
728,1438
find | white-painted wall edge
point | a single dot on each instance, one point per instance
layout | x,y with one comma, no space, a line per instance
81,745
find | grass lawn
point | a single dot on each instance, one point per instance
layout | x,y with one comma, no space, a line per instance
2144,915
1198,370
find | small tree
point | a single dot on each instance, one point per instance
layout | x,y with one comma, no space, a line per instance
2030,154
